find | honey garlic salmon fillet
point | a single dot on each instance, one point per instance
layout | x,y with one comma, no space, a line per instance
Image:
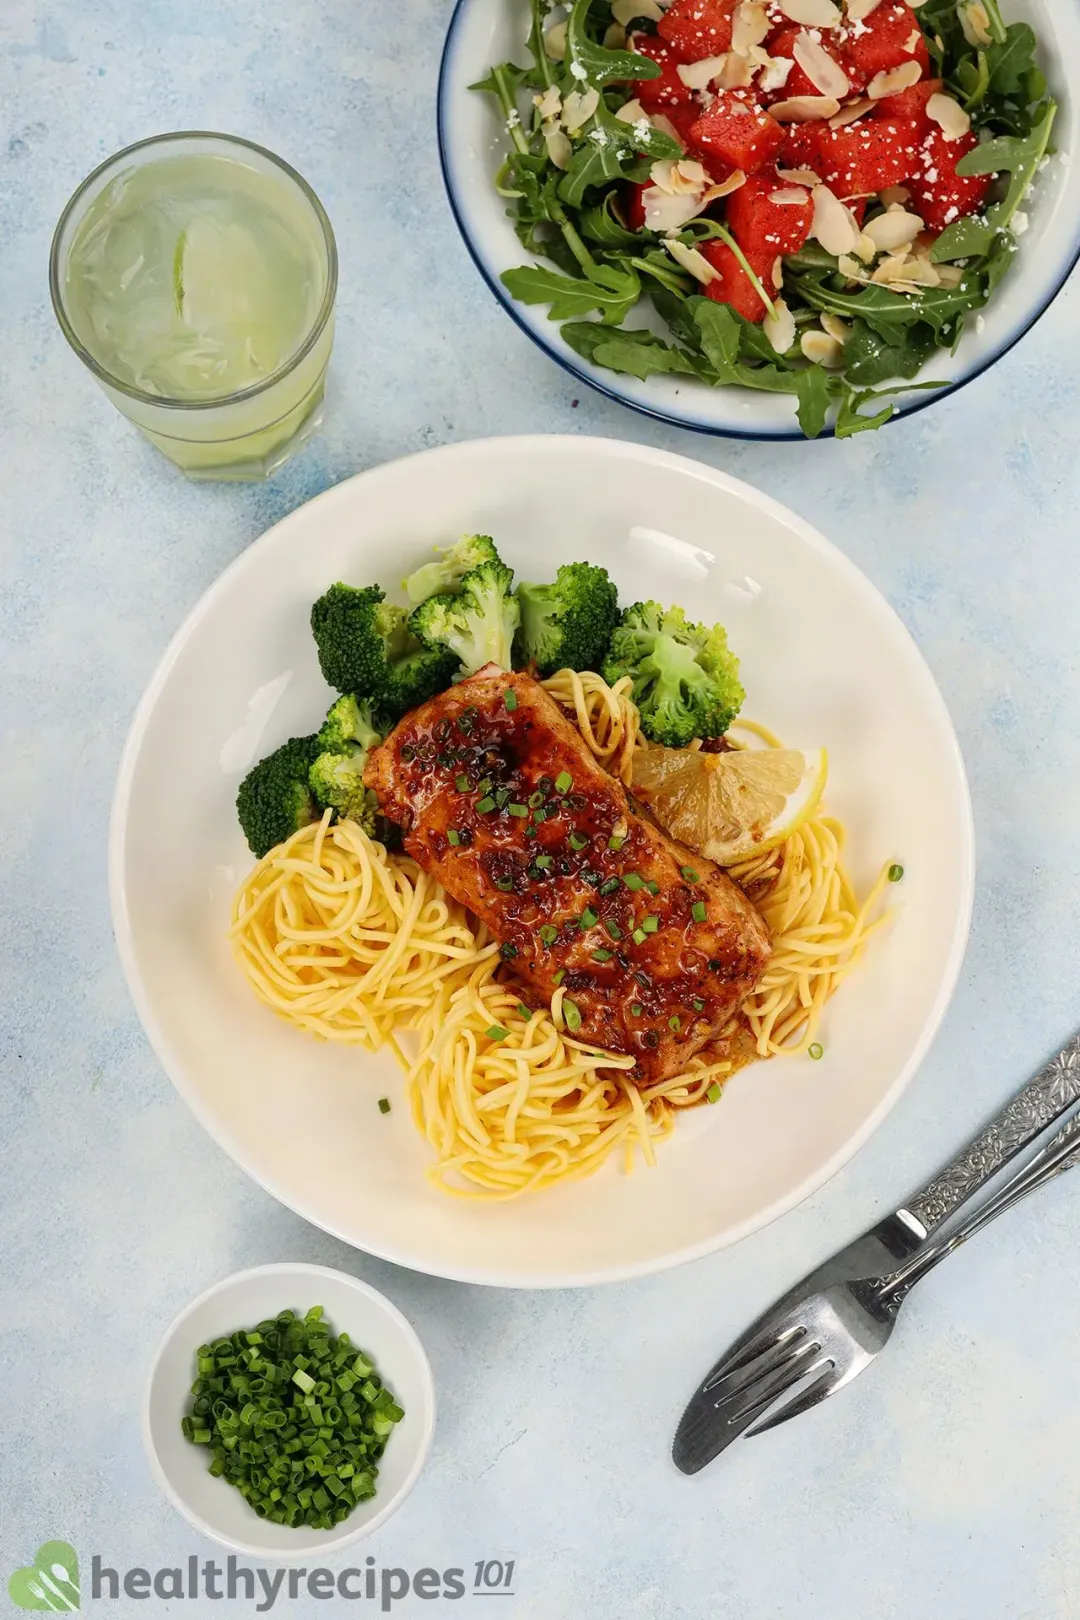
500,799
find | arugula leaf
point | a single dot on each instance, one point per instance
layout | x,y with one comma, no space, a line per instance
536,42
534,284
1017,155
644,360
1009,62
883,311
870,359
718,335
504,83
600,224
663,269
677,313
600,65
593,164
815,395
850,420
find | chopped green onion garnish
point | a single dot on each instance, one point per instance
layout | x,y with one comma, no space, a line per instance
589,917
577,841
613,929
453,837
505,883
525,1012
497,1033
543,862
539,815
601,955
510,700
303,1380
563,782
615,843
653,887
485,806
536,799
689,874
463,784
638,936
519,810
610,886
384,1105
698,1006
714,1092
633,881
637,1009
548,934
815,1051
508,951
896,872
484,786
557,978
675,1022
571,1015
502,798
529,832
698,912
650,924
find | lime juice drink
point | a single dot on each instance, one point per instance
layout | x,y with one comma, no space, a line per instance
195,275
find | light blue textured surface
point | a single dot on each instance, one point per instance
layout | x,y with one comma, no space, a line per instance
943,1484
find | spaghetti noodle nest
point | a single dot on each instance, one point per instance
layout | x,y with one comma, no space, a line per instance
356,944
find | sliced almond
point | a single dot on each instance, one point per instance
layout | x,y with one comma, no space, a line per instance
834,225
975,21
894,268
922,272
823,70
699,75
822,349
789,196
859,10
749,25
804,109
615,37
578,108
896,229
898,195
632,112
679,178
798,177
558,146
775,72
893,80
811,13
695,263
853,110
549,105
778,272
850,267
663,123
950,117
864,249
836,328
665,212
555,41
737,72
779,327
724,188
949,275
625,11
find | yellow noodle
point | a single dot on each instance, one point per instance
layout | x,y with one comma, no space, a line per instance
355,944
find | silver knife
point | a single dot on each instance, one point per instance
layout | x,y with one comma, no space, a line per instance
703,1433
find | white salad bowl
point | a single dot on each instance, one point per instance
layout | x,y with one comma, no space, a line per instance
825,662
374,1325
473,143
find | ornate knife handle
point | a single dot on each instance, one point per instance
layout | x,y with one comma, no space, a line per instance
1043,1100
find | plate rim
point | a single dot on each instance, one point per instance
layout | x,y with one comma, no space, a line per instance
571,444
906,405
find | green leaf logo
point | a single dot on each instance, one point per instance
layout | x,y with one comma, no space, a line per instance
51,1582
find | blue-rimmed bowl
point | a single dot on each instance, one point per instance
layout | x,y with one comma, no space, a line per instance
473,143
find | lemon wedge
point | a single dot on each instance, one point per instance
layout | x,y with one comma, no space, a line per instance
730,806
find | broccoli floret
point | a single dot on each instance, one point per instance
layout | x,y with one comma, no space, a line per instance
275,799
349,721
337,781
439,578
415,678
686,680
478,624
358,635
567,625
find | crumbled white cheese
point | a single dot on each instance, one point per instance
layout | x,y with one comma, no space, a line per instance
1020,223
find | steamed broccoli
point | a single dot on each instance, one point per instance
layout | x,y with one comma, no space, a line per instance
275,799
365,647
438,578
686,680
478,624
567,625
336,777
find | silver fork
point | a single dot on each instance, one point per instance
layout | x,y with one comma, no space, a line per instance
825,1331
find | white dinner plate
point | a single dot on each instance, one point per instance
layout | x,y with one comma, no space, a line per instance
825,661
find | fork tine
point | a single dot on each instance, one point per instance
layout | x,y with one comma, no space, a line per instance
740,1377
813,1395
744,1405
746,1350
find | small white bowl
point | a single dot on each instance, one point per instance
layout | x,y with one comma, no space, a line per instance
217,1508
